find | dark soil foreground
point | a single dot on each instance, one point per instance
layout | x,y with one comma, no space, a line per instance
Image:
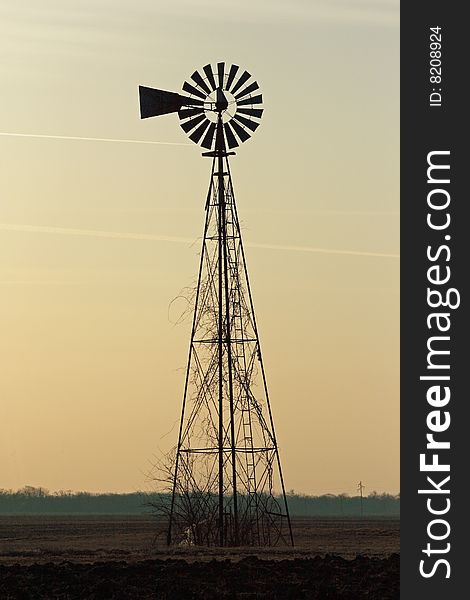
123,558
327,578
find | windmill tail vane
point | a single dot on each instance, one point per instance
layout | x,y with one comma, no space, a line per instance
227,487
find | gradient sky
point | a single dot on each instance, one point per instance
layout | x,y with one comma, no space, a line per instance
97,237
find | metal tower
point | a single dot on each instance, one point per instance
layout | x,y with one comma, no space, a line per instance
227,487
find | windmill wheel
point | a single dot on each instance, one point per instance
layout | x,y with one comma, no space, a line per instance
226,93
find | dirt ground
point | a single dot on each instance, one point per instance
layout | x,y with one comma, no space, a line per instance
121,557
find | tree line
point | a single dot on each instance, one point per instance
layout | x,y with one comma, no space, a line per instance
37,500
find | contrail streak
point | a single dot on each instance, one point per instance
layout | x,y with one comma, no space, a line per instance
90,139
181,240
96,233
41,282
322,250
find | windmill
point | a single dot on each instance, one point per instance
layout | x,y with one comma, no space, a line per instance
227,487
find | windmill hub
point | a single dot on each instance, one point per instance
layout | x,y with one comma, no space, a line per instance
221,102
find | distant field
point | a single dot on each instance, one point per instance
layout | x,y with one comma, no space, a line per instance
79,538
119,558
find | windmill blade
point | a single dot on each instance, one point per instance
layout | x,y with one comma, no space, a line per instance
188,125
253,112
231,76
247,122
231,139
197,78
251,88
185,113
157,102
210,77
253,100
209,137
198,133
220,72
242,133
243,78
187,87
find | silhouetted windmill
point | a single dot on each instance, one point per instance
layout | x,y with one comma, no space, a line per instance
226,462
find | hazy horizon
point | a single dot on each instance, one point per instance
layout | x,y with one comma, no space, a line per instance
148,490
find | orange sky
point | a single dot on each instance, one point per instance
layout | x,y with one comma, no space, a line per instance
96,237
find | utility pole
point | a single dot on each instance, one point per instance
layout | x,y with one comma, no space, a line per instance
360,488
